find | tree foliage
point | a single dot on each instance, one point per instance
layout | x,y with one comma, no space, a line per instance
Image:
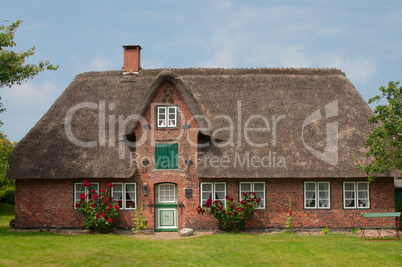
13,69
6,150
384,143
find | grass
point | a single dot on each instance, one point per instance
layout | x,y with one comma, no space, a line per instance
34,248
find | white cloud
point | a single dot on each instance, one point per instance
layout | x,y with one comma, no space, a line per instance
30,93
101,63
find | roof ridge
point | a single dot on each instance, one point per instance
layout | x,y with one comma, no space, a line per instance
220,71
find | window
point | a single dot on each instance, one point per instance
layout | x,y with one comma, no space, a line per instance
125,194
257,187
79,189
317,195
166,156
167,193
167,116
213,190
356,195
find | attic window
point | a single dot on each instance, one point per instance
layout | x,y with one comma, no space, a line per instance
166,116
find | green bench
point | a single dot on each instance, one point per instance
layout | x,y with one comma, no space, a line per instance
387,221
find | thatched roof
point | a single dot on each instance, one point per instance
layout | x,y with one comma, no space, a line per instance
46,151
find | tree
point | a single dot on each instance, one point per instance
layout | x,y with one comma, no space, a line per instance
13,69
384,143
6,150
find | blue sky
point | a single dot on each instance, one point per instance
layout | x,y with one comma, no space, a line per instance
362,38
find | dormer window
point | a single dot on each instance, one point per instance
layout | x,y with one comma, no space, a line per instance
166,116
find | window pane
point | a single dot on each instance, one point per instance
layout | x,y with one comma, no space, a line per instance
323,203
323,195
362,186
130,187
323,186
349,186
350,203
219,187
310,186
245,188
258,187
95,186
349,194
206,187
363,194
118,193
363,203
310,203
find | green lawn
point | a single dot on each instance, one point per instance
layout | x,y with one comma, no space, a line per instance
34,248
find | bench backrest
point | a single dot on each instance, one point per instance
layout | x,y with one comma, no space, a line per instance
380,215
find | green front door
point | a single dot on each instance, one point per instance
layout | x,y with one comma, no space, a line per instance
166,207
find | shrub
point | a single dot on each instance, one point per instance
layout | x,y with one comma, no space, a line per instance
100,211
232,217
140,220
289,217
11,224
8,196
326,231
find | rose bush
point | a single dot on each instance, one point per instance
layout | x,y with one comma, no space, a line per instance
232,217
100,211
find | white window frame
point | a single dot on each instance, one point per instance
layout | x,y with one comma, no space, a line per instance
174,193
356,194
213,187
252,187
123,194
164,123
86,192
317,195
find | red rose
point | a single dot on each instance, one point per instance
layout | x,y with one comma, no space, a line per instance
77,205
117,207
231,199
235,213
231,207
84,183
82,197
103,190
216,201
250,205
252,199
245,194
88,184
97,215
227,197
94,197
93,191
108,209
213,209
93,205
110,185
203,210
229,213
109,198
103,214
109,220
243,202
252,193
110,205
258,200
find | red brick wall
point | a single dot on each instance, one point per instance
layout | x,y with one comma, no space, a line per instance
49,203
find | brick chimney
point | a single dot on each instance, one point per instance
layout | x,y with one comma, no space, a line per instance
132,55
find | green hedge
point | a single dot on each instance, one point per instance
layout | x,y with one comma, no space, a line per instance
8,196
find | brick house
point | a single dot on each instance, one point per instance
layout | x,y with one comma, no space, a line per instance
168,139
